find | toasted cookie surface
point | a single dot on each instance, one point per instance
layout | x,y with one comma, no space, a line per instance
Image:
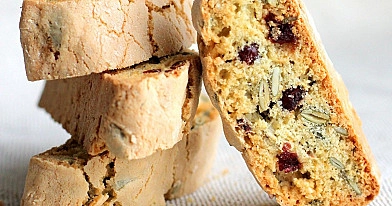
131,112
282,103
65,38
68,175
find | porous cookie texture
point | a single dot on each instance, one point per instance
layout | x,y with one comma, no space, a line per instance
68,175
131,112
282,103
66,38
200,151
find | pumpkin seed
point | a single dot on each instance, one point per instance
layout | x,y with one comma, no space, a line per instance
352,183
341,130
336,163
315,116
264,98
275,81
354,186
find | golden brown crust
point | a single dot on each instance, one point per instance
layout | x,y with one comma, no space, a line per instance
62,39
288,49
128,112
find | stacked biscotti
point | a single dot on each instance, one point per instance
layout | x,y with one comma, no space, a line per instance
121,81
68,175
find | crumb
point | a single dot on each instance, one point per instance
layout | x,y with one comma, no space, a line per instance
218,175
189,200
225,172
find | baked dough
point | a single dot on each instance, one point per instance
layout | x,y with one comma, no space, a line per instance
282,104
131,112
67,38
68,175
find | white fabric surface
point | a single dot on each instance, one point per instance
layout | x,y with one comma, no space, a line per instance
356,34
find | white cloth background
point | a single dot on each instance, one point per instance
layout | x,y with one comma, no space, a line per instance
356,34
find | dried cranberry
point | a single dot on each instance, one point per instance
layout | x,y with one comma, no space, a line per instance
291,98
286,34
249,54
280,32
270,17
288,162
286,147
242,124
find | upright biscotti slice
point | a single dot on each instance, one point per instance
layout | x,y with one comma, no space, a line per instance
282,103
67,175
67,38
131,112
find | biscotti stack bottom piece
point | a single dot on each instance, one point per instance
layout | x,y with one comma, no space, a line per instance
68,175
67,38
282,103
131,112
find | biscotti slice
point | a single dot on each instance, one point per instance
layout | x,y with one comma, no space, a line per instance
282,103
67,38
67,175
192,164
131,112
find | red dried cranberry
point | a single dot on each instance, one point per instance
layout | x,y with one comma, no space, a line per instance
244,125
288,162
286,34
280,32
249,54
286,147
270,17
291,98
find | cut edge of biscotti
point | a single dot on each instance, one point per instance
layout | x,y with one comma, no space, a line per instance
130,112
63,39
200,144
282,103
68,175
